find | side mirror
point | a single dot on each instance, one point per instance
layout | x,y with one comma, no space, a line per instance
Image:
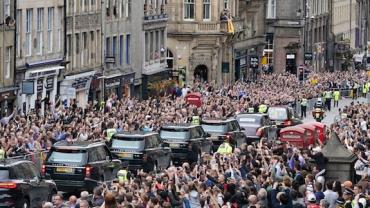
242,128
208,135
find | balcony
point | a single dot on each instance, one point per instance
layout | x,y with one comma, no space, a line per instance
237,23
154,14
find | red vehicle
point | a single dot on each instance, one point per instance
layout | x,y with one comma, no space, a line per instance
194,99
295,135
312,132
321,128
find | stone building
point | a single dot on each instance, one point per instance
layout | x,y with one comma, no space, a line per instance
201,39
7,48
39,52
317,34
83,52
284,28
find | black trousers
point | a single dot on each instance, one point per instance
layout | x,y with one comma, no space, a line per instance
303,111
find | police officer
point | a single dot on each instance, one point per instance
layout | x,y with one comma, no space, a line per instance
336,95
304,103
348,197
110,131
262,108
225,148
328,97
123,175
195,120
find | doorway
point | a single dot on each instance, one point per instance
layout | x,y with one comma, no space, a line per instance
201,73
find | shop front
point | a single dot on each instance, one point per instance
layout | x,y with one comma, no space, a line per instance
155,84
7,98
241,57
81,85
121,85
39,84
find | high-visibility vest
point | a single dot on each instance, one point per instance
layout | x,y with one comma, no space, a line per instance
364,89
102,105
195,120
122,176
328,95
304,102
225,149
336,95
262,108
2,154
110,133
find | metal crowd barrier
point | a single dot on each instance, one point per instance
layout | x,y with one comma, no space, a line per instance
37,158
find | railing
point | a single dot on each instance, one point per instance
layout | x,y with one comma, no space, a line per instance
208,27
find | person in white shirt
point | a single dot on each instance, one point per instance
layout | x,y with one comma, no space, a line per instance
330,195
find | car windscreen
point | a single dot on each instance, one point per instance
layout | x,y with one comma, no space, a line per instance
67,156
175,134
214,128
279,114
4,174
128,142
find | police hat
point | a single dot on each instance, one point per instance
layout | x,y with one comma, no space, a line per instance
340,200
348,191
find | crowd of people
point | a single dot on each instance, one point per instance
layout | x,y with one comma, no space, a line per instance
261,175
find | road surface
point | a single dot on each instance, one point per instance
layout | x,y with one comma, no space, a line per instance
330,115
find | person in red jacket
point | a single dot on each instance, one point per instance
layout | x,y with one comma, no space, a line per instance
312,201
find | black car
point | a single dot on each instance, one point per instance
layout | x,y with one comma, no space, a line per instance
21,185
141,150
80,165
221,129
283,116
256,125
187,141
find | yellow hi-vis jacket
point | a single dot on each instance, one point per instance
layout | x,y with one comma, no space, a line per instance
110,133
262,108
336,95
225,149
195,120
2,153
122,176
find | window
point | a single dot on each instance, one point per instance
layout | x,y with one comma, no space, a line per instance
69,45
59,28
107,46
6,8
39,28
86,5
128,41
18,28
122,10
151,45
226,4
92,41
50,28
189,9
93,5
77,43
206,9
128,13
114,49
8,54
84,48
121,49
147,52
82,6
29,21
271,9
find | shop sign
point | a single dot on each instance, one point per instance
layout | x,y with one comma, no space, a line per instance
243,61
40,84
225,67
42,74
112,82
110,59
28,87
254,62
308,56
290,56
80,83
50,83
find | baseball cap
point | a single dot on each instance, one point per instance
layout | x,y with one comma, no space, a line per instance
347,184
311,197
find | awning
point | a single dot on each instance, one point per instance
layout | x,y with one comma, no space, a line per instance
81,75
154,70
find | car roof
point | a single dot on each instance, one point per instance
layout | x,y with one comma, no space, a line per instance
179,126
12,162
215,121
77,145
251,114
135,134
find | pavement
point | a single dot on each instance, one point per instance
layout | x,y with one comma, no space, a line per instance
330,115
